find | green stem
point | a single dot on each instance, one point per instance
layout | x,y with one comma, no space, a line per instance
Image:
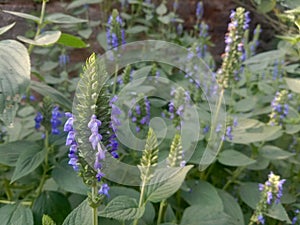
13,202
40,24
141,201
161,210
236,173
45,166
115,80
95,209
8,191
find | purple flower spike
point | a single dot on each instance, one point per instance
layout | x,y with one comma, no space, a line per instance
38,119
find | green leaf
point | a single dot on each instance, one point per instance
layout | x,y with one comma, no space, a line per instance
46,220
101,38
232,208
260,164
78,3
250,130
10,152
16,215
122,208
6,28
67,179
165,183
234,158
269,56
169,214
63,18
53,204
273,153
44,39
250,194
204,215
292,3
293,84
291,39
266,88
81,215
137,29
46,90
148,217
23,15
278,212
266,6
161,9
86,33
245,105
28,161
164,19
71,41
14,77
202,193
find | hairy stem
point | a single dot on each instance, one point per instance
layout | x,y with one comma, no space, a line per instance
95,209
115,80
45,166
161,211
236,174
141,201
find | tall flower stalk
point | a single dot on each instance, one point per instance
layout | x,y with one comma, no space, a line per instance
232,58
147,164
91,131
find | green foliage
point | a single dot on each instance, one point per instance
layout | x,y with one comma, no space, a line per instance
123,208
39,187
14,77
10,152
16,214
44,39
234,158
82,214
71,41
165,183
53,204
66,179
28,161
46,220
6,28
232,208
63,18
47,90
23,15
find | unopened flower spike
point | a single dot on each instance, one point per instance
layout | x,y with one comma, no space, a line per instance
175,158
